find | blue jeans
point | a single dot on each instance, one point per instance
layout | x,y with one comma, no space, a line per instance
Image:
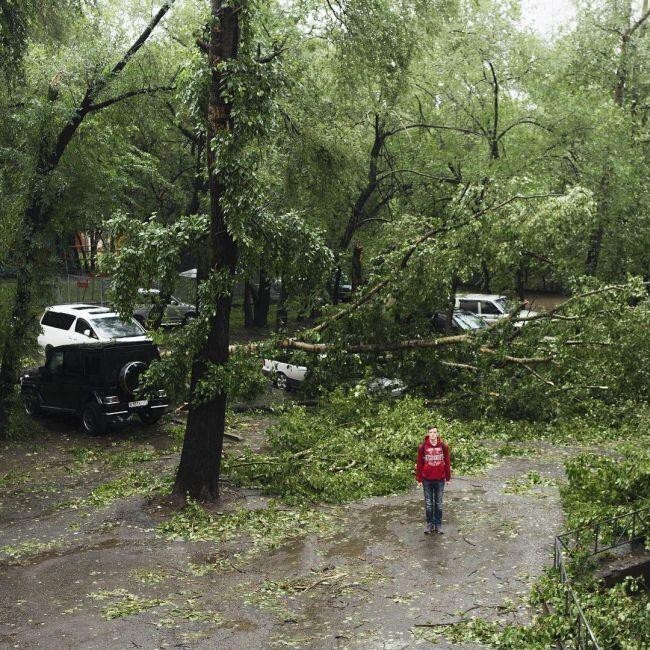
433,491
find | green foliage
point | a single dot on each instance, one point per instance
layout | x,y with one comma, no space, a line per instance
527,483
353,447
239,378
117,456
123,603
605,485
29,548
600,486
150,252
267,528
135,482
149,577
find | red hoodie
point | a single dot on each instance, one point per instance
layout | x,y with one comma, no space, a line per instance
433,461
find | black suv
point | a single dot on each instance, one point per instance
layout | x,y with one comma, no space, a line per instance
99,381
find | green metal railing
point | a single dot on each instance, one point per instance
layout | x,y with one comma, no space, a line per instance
588,541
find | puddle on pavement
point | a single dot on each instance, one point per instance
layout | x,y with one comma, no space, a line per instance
375,526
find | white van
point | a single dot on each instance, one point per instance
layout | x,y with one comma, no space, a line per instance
81,323
490,307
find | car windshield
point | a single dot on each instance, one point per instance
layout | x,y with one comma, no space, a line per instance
506,305
469,321
113,327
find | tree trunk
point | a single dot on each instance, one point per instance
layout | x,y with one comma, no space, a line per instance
263,302
357,269
451,304
282,315
249,300
595,245
198,185
486,277
160,302
519,283
336,285
198,471
20,322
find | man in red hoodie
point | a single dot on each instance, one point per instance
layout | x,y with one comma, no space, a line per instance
433,470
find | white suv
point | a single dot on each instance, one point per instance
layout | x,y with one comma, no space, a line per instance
490,307
80,323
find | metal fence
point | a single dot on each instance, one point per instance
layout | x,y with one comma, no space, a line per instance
96,290
589,541
82,288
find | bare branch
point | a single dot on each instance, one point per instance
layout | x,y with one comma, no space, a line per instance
628,32
523,120
442,179
132,93
440,127
140,41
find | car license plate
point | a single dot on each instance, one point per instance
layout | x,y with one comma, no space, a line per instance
142,402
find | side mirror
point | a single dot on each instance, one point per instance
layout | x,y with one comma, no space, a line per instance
87,333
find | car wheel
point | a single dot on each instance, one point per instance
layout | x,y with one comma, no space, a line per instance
189,318
281,381
93,420
32,403
149,416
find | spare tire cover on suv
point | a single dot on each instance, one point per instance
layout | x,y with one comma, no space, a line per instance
129,376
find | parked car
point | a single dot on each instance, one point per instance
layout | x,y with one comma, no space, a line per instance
461,321
386,386
345,292
490,307
177,312
100,382
81,323
286,376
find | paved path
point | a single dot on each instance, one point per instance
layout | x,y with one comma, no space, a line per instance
369,585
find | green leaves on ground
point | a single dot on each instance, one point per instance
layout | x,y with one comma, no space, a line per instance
267,527
353,447
135,482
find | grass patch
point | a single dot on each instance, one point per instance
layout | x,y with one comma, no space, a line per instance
190,613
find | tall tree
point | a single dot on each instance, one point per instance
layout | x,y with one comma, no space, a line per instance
198,471
35,235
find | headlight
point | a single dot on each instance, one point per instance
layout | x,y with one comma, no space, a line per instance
112,399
